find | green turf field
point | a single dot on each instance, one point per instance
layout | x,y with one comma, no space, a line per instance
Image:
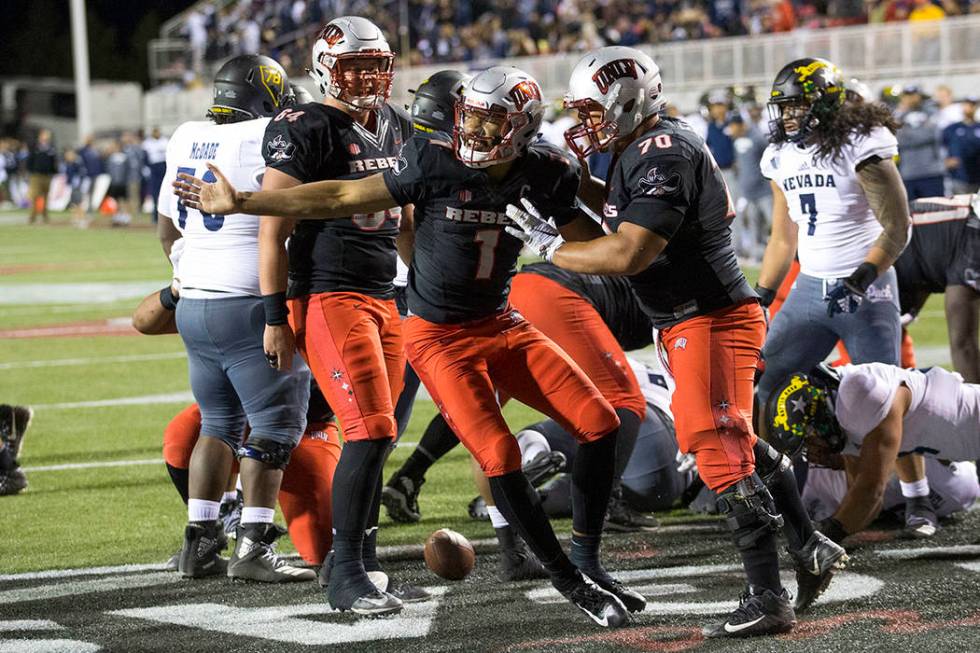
130,513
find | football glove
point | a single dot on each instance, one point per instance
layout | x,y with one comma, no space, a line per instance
538,234
848,294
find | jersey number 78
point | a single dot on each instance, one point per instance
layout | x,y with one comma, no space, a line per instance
211,222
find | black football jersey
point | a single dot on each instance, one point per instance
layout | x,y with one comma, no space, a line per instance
464,260
667,181
612,298
940,253
314,142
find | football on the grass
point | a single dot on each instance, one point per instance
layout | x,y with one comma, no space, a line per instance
449,555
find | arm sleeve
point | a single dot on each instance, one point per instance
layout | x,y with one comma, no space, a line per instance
288,146
406,181
662,189
865,395
879,143
558,199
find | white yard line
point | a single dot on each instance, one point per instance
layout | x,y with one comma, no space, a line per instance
184,397
75,293
93,360
94,465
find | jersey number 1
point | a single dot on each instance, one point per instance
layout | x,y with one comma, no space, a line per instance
211,222
808,204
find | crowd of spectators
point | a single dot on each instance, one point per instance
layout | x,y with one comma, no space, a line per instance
119,177
479,30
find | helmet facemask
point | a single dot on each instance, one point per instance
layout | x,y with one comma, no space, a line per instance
594,132
795,111
484,137
360,80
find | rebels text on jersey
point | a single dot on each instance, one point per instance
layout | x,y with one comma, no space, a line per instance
464,260
611,297
221,253
315,142
667,181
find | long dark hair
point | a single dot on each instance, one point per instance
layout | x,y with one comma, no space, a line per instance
832,133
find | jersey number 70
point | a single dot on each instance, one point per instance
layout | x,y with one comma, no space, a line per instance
211,222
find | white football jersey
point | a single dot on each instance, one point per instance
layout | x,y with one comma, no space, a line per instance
943,420
655,382
221,255
836,224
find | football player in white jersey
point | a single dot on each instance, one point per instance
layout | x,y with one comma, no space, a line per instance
220,318
840,205
871,414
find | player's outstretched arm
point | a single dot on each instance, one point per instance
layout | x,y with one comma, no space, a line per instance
882,185
322,200
630,250
781,247
875,464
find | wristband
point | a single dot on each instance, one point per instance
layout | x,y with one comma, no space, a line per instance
832,529
863,276
167,299
275,309
766,296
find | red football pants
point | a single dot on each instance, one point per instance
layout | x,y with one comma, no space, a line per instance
462,365
353,345
573,324
713,359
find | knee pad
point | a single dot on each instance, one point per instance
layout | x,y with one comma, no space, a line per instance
274,454
768,461
749,510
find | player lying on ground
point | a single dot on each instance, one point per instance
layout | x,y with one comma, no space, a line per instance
464,341
14,421
670,213
871,414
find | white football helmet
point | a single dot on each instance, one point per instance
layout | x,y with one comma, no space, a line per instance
497,117
353,63
623,84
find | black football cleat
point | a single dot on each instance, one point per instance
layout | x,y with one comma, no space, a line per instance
359,595
920,519
200,556
400,497
477,509
632,599
601,606
765,613
545,465
14,421
815,565
13,481
621,518
517,563
405,592
255,557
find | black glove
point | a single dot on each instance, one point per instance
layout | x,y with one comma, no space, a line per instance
847,295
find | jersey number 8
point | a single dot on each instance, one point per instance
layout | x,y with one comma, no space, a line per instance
211,222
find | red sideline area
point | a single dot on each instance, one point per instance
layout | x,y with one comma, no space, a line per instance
113,327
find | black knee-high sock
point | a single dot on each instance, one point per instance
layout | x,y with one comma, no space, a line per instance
629,429
592,482
354,483
761,563
797,526
181,480
519,503
436,442
755,542
369,551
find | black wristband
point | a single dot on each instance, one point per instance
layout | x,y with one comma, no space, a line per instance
766,296
863,276
276,311
832,529
167,299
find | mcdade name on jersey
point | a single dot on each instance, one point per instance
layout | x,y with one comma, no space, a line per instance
204,150
381,163
809,180
476,216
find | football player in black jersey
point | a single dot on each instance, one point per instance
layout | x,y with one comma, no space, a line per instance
342,314
671,215
464,340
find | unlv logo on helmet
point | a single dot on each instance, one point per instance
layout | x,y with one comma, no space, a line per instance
605,76
523,93
332,34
